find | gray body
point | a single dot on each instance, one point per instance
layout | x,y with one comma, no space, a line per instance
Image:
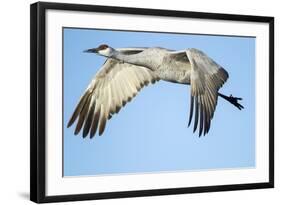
163,62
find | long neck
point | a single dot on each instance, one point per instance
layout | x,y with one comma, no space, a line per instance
136,59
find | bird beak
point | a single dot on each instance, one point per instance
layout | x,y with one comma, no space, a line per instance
92,50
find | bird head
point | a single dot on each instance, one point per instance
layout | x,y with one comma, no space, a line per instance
103,50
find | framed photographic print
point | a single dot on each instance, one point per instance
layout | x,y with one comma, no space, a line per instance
129,102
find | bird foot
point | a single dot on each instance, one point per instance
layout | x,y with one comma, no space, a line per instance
234,101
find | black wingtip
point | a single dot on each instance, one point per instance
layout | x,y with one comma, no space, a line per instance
191,110
102,130
84,135
76,132
68,125
70,122
92,134
196,115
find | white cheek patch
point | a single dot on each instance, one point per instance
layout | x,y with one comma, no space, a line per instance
104,52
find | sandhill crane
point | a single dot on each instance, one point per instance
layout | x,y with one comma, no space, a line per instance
127,70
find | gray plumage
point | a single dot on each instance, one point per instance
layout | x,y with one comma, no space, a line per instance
127,70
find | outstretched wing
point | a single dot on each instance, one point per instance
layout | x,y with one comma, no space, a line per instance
113,86
205,79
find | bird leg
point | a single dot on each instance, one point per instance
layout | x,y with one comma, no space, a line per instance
232,100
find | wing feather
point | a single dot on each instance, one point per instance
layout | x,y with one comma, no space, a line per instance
113,86
205,79
191,109
89,119
95,122
102,119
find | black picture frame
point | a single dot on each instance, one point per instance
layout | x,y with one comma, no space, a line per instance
38,103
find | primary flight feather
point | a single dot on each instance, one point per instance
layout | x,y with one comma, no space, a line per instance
127,70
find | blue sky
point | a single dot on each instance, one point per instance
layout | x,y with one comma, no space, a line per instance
150,133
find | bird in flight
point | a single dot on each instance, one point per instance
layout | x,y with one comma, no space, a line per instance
127,70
